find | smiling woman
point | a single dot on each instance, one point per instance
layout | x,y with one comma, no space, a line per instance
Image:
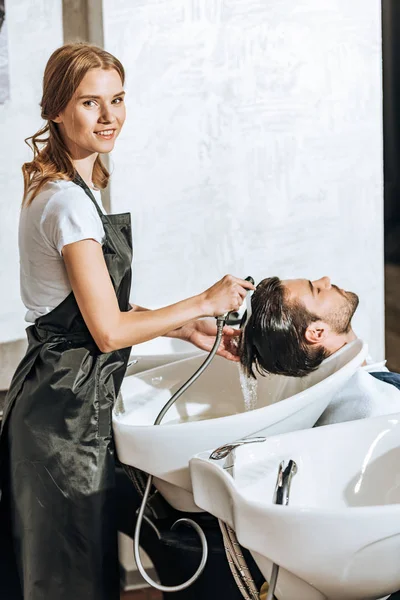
58,491
75,115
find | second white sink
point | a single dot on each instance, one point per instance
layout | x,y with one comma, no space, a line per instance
339,536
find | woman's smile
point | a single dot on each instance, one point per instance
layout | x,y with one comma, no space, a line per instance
107,134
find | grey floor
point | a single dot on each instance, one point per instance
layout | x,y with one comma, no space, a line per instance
147,594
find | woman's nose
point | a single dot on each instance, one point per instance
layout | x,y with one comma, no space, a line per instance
107,116
324,282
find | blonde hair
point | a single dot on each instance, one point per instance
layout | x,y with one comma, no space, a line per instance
64,71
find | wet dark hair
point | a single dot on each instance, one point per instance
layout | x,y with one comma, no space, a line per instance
273,340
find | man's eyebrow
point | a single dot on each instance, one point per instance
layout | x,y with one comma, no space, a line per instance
99,97
311,287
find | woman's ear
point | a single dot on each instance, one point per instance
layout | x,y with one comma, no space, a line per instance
316,333
57,119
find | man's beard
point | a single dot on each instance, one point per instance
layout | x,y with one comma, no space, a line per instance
340,320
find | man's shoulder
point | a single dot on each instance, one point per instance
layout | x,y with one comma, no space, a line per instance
388,377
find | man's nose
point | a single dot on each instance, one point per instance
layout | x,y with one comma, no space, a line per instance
324,282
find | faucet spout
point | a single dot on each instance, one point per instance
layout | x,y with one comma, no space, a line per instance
227,451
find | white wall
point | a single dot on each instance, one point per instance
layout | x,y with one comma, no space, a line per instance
34,31
253,144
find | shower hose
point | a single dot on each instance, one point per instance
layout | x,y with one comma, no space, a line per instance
236,560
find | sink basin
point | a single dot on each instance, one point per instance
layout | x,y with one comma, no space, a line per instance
339,536
157,352
212,412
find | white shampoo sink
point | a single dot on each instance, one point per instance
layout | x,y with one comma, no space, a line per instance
212,412
339,536
158,352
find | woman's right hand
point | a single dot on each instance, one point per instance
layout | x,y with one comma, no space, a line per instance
226,295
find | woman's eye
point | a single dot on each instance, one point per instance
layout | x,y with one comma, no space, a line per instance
118,100
89,103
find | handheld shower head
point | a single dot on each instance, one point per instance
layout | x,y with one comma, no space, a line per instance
247,313
233,318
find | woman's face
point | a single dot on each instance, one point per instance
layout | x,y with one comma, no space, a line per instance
93,118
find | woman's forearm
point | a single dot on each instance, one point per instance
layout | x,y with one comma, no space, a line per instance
112,329
173,333
141,324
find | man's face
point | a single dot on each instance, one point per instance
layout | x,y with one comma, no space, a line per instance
328,302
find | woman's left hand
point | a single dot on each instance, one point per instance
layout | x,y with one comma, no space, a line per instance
202,334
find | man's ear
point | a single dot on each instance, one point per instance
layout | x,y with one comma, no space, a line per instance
317,332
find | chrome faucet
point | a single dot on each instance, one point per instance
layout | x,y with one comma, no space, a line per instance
228,452
281,492
281,496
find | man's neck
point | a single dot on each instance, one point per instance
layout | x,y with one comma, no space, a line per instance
345,339
338,341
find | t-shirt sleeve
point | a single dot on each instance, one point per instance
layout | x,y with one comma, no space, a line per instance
70,216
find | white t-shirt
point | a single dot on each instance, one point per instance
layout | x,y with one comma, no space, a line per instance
60,214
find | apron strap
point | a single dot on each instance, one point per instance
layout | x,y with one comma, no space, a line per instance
79,181
104,217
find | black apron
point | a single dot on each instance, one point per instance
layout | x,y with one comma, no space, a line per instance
56,448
